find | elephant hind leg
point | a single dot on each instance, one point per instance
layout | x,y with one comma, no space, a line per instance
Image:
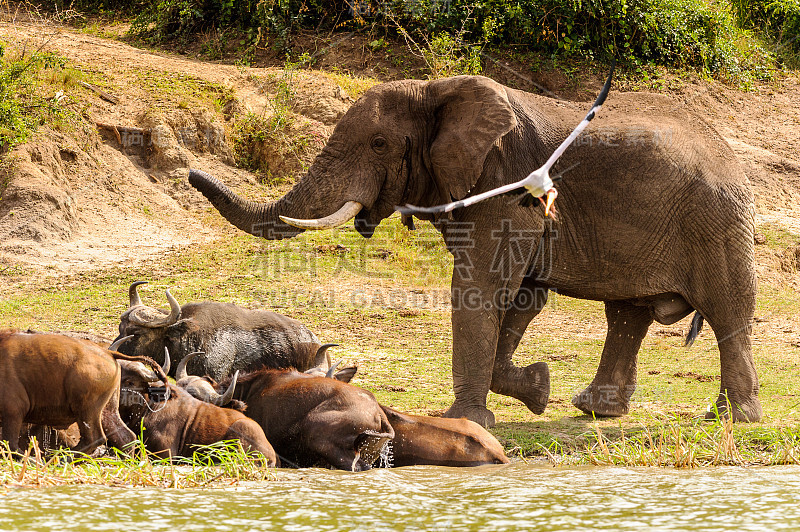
610,392
738,391
530,384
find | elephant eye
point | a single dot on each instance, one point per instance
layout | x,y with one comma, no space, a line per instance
379,145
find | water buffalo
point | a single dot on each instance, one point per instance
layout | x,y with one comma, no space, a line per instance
232,337
48,438
55,380
204,387
310,419
423,440
177,425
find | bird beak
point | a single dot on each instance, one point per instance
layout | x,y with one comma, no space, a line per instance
552,194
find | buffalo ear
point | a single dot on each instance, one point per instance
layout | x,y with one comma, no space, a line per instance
471,113
346,374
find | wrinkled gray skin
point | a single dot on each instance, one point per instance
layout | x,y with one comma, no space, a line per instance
655,218
233,338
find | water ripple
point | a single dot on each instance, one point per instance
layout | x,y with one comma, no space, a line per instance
511,497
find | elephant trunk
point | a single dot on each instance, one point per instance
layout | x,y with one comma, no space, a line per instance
258,219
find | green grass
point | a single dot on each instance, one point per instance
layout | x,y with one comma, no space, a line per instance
778,238
369,296
223,463
353,85
180,90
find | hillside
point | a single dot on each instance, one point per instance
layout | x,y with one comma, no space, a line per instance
91,203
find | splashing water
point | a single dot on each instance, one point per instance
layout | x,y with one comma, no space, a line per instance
386,457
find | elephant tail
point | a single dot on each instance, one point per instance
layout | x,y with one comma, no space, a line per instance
694,330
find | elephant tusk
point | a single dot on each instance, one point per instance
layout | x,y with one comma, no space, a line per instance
346,213
552,194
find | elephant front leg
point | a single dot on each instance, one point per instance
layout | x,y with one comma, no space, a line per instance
610,392
475,331
530,384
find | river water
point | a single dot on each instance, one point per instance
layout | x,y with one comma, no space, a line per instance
512,497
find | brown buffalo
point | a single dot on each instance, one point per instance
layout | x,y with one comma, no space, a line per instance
54,380
423,440
234,338
204,388
48,438
176,426
310,419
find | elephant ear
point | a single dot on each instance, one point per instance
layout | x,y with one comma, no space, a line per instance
472,112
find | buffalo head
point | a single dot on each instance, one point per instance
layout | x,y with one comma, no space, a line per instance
147,326
203,387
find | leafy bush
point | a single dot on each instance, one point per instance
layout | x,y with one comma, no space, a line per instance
778,19
720,37
166,19
22,108
702,35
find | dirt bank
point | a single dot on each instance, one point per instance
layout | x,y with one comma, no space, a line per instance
115,190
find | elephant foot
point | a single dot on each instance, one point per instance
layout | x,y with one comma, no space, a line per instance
537,389
743,412
479,414
604,400
530,384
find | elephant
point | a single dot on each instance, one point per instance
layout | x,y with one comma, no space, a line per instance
655,218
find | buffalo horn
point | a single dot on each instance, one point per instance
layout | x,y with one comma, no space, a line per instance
167,362
323,356
119,342
332,369
181,373
133,294
224,399
343,215
172,319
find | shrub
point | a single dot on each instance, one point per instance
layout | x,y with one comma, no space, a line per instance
22,108
720,37
777,19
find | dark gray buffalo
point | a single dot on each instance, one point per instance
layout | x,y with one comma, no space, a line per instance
233,338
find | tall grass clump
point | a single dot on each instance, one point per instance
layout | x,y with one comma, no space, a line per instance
669,441
223,462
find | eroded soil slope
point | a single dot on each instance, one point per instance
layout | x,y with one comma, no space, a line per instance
116,190
112,188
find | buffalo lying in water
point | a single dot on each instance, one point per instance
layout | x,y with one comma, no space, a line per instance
55,380
233,338
178,424
309,419
423,440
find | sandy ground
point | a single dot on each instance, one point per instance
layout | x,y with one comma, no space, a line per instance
88,201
